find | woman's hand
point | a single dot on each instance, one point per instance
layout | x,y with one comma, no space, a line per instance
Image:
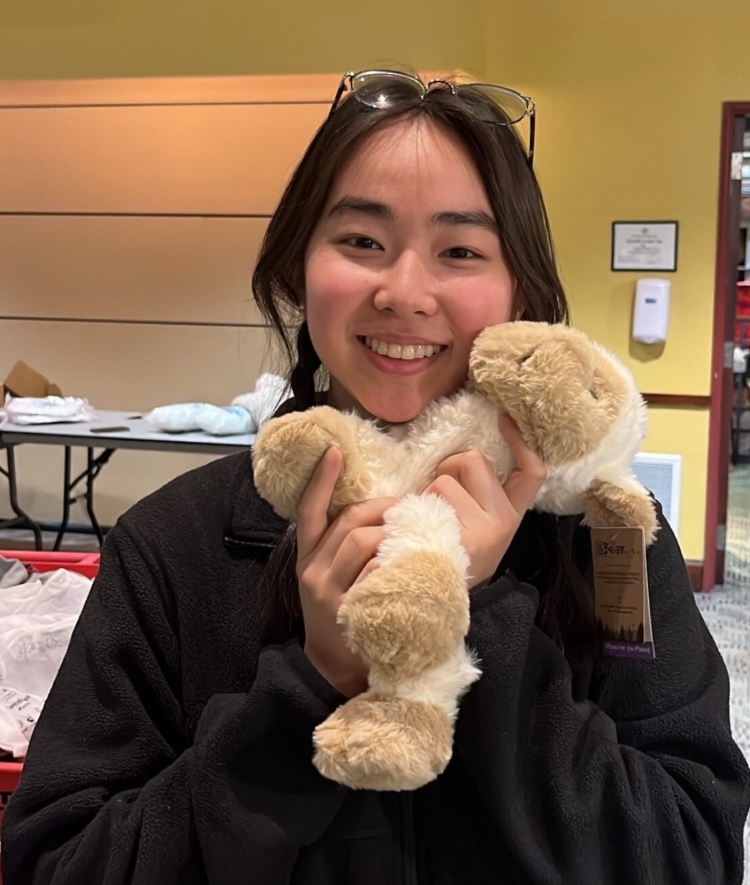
332,555
489,513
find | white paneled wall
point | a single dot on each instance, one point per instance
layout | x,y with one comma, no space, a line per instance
131,213
116,267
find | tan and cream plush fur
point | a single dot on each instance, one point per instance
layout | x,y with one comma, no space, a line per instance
576,405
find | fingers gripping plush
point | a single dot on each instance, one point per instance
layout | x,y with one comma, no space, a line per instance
407,618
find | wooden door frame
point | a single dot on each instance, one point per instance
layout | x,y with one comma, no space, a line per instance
721,378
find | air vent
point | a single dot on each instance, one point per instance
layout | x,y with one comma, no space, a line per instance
662,475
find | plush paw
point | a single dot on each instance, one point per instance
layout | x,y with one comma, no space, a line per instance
287,450
629,504
378,742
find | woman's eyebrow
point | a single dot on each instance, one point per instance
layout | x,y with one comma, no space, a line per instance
477,219
363,206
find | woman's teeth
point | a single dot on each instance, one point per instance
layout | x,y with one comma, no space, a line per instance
402,351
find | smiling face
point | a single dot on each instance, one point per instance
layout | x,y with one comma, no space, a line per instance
403,271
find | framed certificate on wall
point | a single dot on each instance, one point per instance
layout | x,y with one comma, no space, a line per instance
644,245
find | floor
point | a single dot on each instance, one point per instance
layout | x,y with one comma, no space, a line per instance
22,539
726,611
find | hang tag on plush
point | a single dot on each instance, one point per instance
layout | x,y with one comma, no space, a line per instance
621,599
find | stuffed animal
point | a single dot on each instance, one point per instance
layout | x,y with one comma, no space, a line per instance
577,407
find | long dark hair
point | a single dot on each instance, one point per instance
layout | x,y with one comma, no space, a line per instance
518,206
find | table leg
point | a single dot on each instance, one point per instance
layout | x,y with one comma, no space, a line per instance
23,518
65,521
91,474
94,467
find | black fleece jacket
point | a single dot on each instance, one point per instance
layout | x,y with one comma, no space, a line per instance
174,749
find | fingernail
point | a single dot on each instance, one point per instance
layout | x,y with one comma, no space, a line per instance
331,457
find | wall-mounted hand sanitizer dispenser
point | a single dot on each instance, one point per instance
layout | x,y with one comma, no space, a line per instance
651,311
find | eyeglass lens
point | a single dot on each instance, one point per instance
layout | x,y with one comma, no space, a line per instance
513,106
377,88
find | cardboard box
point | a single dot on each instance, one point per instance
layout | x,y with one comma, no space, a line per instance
22,380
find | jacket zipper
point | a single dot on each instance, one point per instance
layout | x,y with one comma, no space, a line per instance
246,543
255,548
410,841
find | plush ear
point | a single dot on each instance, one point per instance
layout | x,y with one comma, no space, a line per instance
629,504
556,384
286,451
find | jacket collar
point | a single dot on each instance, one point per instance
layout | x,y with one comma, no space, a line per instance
252,518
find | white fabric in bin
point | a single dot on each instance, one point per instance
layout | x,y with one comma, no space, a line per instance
36,622
19,712
61,591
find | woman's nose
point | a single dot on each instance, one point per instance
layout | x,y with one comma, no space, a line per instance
407,287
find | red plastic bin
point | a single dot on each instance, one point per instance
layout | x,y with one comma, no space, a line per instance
86,564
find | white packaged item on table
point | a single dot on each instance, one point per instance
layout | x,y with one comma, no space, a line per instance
47,409
270,391
245,415
224,420
177,418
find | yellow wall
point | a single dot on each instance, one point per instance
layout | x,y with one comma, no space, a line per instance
142,38
629,99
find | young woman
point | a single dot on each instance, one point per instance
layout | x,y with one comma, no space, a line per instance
176,744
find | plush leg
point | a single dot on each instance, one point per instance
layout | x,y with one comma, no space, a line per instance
607,504
407,619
